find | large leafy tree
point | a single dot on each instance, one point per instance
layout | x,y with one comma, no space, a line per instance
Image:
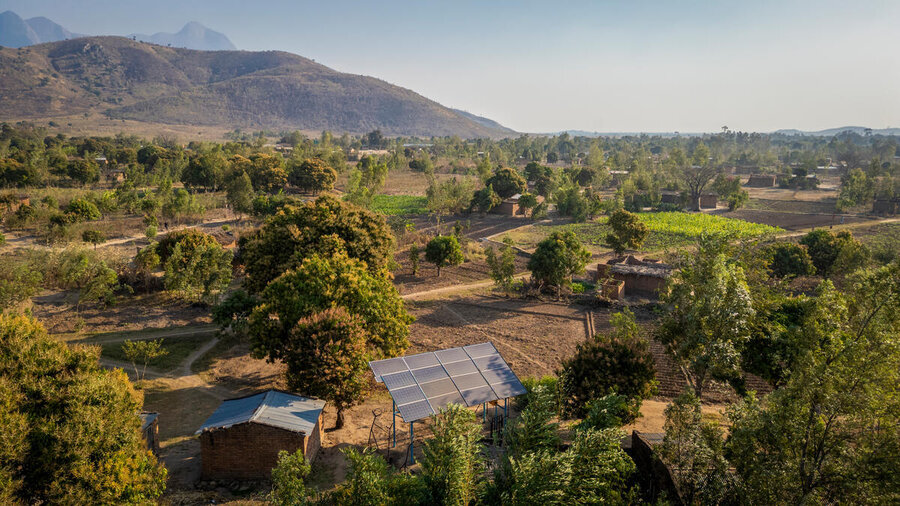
789,260
325,355
266,173
558,258
83,171
443,251
627,231
312,175
507,182
831,434
323,282
69,430
323,226
832,253
197,270
709,317
695,173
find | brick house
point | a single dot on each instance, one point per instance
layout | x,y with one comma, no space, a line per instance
709,201
761,181
642,277
242,438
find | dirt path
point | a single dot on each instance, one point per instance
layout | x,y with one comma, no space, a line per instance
149,335
448,290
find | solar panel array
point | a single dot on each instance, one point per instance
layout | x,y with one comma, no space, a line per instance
423,384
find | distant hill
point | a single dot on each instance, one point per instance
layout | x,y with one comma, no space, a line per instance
126,79
835,131
18,32
485,122
192,36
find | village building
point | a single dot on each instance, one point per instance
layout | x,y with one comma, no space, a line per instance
669,197
761,181
150,430
886,207
242,438
709,201
644,278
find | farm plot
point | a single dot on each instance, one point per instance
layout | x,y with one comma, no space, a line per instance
667,230
793,221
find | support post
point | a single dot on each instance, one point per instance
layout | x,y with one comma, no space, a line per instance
412,458
483,412
394,422
506,408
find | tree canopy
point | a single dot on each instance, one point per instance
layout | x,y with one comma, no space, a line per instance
558,258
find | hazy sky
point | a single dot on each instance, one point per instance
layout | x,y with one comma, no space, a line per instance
546,66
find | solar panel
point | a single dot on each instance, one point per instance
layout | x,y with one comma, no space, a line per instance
415,411
480,350
460,368
490,362
498,375
468,381
398,380
451,355
508,389
477,396
387,366
423,383
439,387
421,360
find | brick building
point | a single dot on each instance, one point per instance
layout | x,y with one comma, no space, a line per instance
642,277
241,439
761,181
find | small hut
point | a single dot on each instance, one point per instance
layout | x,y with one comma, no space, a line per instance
709,201
241,439
644,278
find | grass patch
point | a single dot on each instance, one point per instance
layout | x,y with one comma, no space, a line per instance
882,240
178,347
399,204
667,230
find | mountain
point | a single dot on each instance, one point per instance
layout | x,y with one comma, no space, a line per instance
829,132
48,31
15,32
485,122
127,79
192,36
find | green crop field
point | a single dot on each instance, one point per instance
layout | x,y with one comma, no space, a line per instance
399,204
667,230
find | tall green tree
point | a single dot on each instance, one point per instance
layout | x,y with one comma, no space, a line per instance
627,231
239,193
320,283
312,175
197,270
709,317
831,434
70,430
323,226
325,355
558,258
502,264
507,182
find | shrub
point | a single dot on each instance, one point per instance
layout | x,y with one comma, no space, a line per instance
82,210
789,260
618,363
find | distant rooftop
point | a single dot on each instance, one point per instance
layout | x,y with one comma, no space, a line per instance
273,408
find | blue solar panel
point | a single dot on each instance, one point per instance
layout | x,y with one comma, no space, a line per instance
407,395
498,375
415,411
467,381
490,362
478,395
387,366
398,380
451,355
422,383
421,360
429,374
460,368
480,350
508,389
442,401
439,387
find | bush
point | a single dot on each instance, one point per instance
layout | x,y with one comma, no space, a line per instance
82,210
619,363
607,412
789,260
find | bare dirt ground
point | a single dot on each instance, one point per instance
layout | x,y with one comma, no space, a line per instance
138,312
792,221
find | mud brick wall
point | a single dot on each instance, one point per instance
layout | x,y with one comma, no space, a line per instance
248,451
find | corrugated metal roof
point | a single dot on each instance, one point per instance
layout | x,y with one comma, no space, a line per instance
273,408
